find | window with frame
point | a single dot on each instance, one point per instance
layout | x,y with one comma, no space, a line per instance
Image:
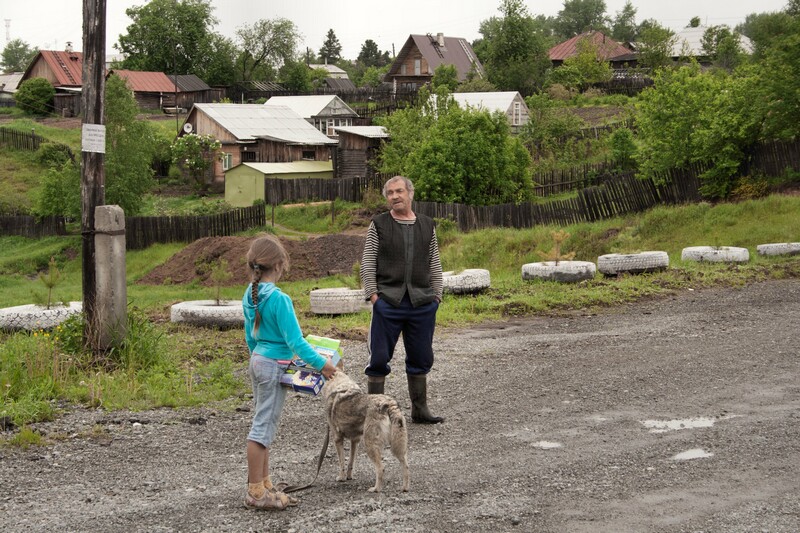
516,118
249,157
227,161
403,69
308,155
417,67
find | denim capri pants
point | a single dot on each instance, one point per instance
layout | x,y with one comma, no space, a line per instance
269,396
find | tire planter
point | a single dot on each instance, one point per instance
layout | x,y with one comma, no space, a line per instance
207,313
564,271
717,254
780,248
33,317
614,264
338,301
469,281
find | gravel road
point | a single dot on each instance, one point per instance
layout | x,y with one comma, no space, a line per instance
680,414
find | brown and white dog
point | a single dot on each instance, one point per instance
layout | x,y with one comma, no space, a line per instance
375,418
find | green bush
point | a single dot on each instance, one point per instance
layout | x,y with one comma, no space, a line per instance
35,96
54,155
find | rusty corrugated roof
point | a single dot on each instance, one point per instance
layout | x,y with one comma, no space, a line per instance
607,47
146,82
67,66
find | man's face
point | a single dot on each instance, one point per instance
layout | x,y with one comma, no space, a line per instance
398,197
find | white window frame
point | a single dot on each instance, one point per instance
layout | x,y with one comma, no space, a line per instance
516,117
417,67
227,160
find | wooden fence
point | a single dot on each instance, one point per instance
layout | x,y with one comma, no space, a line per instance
279,191
21,140
563,180
773,158
32,227
618,196
141,232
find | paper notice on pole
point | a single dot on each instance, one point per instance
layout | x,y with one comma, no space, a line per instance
93,138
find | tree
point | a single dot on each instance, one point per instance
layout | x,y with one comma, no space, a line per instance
16,56
221,66
763,29
456,155
331,50
779,72
623,149
35,96
445,75
371,56
694,23
722,46
693,117
655,45
579,16
295,76
372,77
623,27
515,49
129,151
196,154
476,85
173,36
267,45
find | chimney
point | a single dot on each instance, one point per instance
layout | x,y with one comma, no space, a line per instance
440,39
69,47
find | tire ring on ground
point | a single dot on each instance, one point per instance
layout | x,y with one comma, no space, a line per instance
469,281
338,301
718,254
613,264
207,313
779,248
564,271
33,317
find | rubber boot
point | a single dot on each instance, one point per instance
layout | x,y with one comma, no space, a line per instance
418,391
375,384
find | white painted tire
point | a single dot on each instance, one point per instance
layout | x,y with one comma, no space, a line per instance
717,254
338,301
564,271
33,317
779,248
469,281
207,313
614,264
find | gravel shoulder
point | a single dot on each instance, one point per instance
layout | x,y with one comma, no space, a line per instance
679,414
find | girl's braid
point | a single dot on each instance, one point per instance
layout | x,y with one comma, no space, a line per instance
256,278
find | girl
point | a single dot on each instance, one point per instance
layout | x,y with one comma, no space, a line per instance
273,336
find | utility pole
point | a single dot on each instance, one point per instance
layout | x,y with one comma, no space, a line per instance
92,152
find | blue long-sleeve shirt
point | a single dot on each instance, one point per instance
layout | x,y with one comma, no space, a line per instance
279,335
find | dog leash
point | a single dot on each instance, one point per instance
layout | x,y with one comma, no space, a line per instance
294,488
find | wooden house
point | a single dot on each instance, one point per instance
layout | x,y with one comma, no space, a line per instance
63,69
255,133
192,90
688,43
358,147
510,103
152,90
326,112
422,54
607,50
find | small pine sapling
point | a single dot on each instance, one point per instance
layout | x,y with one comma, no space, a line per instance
219,275
50,280
555,254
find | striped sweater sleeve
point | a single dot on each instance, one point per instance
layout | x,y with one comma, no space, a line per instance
437,283
369,262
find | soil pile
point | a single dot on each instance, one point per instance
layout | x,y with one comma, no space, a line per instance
311,258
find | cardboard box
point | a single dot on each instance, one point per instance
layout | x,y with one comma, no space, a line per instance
300,378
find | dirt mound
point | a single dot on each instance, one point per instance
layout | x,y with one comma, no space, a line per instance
311,258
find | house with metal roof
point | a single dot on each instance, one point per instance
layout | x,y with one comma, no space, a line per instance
357,151
8,86
689,43
607,50
64,70
255,133
152,90
422,54
509,103
326,112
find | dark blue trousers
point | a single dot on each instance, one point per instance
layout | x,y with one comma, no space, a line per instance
415,323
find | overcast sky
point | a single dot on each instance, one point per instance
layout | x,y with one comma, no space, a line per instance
49,24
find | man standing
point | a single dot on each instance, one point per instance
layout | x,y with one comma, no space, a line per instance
402,276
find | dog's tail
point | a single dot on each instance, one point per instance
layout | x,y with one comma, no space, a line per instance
395,414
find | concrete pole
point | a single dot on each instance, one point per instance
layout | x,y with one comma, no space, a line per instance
111,303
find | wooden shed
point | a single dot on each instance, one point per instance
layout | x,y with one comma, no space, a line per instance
357,150
245,183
